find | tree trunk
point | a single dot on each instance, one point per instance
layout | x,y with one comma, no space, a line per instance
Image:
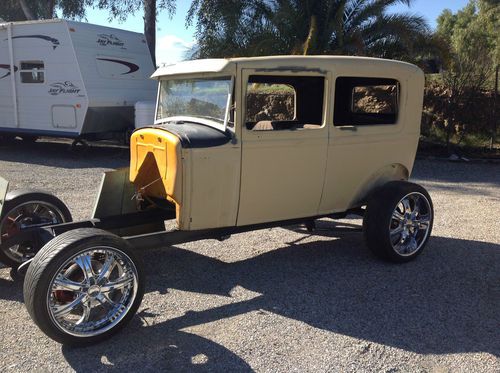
150,27
49,9
451,121
311,37
26,10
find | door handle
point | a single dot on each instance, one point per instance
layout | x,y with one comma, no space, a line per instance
348,128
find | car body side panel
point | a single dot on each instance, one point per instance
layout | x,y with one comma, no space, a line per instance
355,170
211,187
282,176
361,159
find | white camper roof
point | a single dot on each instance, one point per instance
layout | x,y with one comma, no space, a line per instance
53,20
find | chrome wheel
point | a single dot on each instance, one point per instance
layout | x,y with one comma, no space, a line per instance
92,291
410,224
28,214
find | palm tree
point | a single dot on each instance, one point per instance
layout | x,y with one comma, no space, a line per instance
150,27
121,9
268,27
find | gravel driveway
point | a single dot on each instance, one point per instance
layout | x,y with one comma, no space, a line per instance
282,299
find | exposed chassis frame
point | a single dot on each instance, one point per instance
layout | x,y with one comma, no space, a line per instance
153,237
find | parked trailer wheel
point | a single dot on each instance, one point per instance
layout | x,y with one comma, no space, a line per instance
398,221
29,139
6,139
84,286
23,209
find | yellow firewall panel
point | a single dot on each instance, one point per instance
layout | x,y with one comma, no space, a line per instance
155,163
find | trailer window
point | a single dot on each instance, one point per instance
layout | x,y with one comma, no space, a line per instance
32,72
366,101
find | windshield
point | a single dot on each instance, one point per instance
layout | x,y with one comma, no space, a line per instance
197,97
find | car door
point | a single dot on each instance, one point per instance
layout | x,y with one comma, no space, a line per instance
284,144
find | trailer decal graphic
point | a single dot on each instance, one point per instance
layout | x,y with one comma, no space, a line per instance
110,39
132,66
55,42
63,88
6,67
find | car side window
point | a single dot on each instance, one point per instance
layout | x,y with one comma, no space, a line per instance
277,102
32,72
366,101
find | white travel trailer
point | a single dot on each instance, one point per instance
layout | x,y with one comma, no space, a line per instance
71,79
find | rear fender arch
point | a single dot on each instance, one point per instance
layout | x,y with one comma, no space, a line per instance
390,172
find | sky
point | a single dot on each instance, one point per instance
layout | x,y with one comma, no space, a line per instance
173,38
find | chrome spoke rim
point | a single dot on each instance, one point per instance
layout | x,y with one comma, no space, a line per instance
106,269
92,291
410,224
63,309
397,215
118,284
63,283
33,213
85,263
87,309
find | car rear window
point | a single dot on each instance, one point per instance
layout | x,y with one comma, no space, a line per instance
366,101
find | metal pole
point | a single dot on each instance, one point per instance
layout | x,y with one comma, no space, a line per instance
495,101
13,75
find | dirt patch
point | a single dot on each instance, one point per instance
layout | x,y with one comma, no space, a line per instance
276,106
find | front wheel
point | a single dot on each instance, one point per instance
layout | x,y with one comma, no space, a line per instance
84,286
398,221
23,209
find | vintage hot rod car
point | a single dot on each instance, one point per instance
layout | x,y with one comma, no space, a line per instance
237,145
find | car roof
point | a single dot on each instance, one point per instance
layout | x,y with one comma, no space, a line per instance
221,65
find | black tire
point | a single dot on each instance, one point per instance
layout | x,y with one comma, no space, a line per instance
47,264
29,139
79,145
19,198
6,139
379,219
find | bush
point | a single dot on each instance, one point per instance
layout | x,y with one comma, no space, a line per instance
466,118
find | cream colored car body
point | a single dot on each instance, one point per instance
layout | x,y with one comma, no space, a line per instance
265,176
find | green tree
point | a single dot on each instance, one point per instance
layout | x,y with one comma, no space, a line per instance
21,10
474,41
121,9
268,27
11,11
474,44
470,48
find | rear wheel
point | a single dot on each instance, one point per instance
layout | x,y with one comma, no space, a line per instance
398,221
22,210
83,286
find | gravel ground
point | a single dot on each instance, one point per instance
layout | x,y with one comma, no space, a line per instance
281,299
